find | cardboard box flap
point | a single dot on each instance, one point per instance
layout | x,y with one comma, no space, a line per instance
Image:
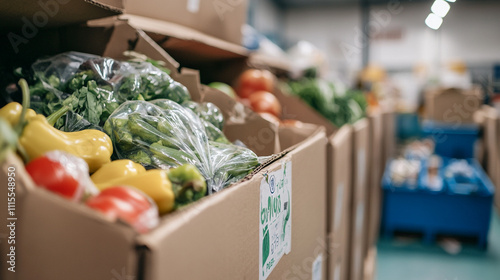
290,136
144,43
221,19
26,16
180,39
124,37
277,65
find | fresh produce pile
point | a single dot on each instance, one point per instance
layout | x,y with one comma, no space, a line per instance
95,86
254,89
339,106
164,134
122,137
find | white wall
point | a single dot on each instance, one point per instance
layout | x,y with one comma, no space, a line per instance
330,29
268,18
470,32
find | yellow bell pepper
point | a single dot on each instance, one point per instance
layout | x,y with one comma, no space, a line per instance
12,112
39,137
154,183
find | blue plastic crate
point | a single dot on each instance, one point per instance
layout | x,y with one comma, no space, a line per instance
407,126
448,211
454,141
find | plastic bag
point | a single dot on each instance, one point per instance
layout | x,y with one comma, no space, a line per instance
211,117
163,134
95,86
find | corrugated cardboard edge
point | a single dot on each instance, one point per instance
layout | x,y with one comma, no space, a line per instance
276,65
370,268
339,145
112,5
359,197
375,173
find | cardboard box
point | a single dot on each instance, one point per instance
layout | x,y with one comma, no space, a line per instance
491,125
193,49
389,140
280,66
24,17
228,64
359,199
78,243
374,185
453,106
339,197
74,242
349,158
223,19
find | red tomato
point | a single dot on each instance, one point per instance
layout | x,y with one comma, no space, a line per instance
127,204
114,207
253,80
52,176
265,102
136,198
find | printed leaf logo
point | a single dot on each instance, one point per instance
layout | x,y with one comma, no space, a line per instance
122,276
265,245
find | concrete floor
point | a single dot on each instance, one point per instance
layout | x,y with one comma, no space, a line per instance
409,259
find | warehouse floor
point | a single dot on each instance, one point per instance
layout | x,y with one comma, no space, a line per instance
409,259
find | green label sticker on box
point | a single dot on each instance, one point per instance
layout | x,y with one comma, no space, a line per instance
275,218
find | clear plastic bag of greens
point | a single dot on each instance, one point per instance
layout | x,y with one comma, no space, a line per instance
95,86
211,117
163,134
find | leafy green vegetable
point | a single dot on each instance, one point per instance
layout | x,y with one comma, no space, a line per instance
98,85
164,134
337,106
211,117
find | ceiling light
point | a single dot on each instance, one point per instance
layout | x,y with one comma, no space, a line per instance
433,21
440,8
